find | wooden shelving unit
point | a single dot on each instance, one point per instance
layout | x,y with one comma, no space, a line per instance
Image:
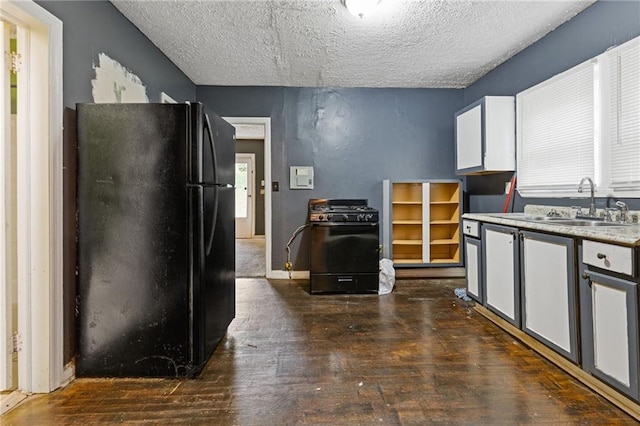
406,222
421,222
444,222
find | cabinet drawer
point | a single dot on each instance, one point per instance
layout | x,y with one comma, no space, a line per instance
608,256
471,227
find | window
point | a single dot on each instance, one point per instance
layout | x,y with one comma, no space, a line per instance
583,122
624,116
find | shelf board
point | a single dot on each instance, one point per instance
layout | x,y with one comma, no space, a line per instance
406,222
407,261
408,203
444,261
444,222
444,242
407,242
444,202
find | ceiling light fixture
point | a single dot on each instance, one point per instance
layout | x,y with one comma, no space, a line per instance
360,8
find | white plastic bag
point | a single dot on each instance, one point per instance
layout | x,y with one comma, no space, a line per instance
387,276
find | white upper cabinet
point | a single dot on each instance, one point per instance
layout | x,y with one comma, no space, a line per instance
485,136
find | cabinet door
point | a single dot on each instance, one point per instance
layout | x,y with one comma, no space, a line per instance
501,271
473,262
469,149
549,291
609,314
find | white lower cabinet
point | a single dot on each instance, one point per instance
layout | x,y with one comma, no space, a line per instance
501,271
473,262
473,259
549,294
609,321
577,297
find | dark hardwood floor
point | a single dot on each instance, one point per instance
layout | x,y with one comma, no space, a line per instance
416,356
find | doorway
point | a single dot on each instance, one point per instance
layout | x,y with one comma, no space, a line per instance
245,189
255,132
31,198
250,257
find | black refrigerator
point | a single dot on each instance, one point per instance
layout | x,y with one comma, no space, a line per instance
156,238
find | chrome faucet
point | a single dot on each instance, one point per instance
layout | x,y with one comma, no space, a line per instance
624,210
592,206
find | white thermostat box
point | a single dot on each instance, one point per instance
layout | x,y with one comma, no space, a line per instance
301,177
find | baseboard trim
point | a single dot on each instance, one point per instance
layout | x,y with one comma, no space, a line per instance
416,273
284,275
11,400
401,273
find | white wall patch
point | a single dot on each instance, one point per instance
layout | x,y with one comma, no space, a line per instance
116,84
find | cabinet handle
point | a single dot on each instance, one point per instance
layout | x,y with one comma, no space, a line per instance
601,256
585,276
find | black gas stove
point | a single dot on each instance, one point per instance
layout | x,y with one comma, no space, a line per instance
341,210
344,246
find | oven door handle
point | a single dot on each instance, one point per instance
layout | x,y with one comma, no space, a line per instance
331,224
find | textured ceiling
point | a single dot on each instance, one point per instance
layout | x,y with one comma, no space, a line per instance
318,43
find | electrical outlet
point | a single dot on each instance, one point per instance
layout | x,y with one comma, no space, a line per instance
275,186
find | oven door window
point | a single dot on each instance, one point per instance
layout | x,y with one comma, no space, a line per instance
344,248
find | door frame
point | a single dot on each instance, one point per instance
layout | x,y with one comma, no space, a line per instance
6,293
251,159
266,122
40,223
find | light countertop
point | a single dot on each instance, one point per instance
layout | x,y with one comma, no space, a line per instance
623,234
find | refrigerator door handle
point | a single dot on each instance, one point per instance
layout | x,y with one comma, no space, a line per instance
214,159
214,220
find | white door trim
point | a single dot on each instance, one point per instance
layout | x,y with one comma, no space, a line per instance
251,184
266,122
39,132
6,294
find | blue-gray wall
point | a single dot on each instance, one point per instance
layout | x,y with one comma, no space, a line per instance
604,24
94,27
354,138
90,28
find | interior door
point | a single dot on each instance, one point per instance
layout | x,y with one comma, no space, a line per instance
245,185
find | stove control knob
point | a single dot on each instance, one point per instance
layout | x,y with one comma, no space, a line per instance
345,217
361,217
320,217
328,217
369,216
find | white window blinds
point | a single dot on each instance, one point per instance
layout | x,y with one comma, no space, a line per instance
556,142
624,115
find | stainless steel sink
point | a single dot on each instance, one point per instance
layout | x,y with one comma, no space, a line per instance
580,222
546,218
